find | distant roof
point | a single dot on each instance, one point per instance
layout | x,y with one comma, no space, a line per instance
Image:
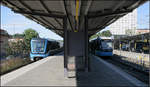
144,29
3,32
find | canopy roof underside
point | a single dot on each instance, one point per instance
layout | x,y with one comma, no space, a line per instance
50,13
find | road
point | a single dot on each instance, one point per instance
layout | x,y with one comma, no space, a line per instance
50,72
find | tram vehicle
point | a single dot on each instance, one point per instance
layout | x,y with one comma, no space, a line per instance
103,46
41,48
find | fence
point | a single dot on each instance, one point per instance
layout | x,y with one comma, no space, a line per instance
137,60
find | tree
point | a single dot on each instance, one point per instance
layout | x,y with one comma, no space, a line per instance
21,47
16,48
105,33
94,36
28,35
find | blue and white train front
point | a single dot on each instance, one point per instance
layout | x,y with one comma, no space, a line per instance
106,48
38,49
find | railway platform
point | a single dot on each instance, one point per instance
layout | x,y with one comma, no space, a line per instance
50,72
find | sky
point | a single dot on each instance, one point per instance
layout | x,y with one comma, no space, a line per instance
16,23
143,16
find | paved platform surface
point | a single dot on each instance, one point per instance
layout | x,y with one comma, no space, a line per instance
105,74
50,72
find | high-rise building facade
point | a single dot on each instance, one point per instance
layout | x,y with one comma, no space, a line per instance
126,25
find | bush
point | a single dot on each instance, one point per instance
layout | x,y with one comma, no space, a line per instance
11,64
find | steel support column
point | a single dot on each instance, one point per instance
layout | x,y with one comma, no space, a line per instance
65,42
75,49
87,66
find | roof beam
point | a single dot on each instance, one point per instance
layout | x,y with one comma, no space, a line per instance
54,29
67,13
10,3
84,10
27,7
48,11
36,13
34,18
50,28
28,17
39,14
47,22
137,3
109,14
118,5
97,28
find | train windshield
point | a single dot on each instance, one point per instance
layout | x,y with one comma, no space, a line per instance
38,46
106,44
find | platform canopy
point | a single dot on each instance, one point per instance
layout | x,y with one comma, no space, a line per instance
50,13
135,37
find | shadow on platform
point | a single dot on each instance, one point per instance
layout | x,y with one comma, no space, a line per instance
101,75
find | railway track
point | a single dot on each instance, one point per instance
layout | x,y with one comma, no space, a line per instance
140,75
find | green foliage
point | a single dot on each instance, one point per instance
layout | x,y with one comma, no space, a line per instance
16,48
22,47
9,50
29,34
94,36
19,49
104,33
